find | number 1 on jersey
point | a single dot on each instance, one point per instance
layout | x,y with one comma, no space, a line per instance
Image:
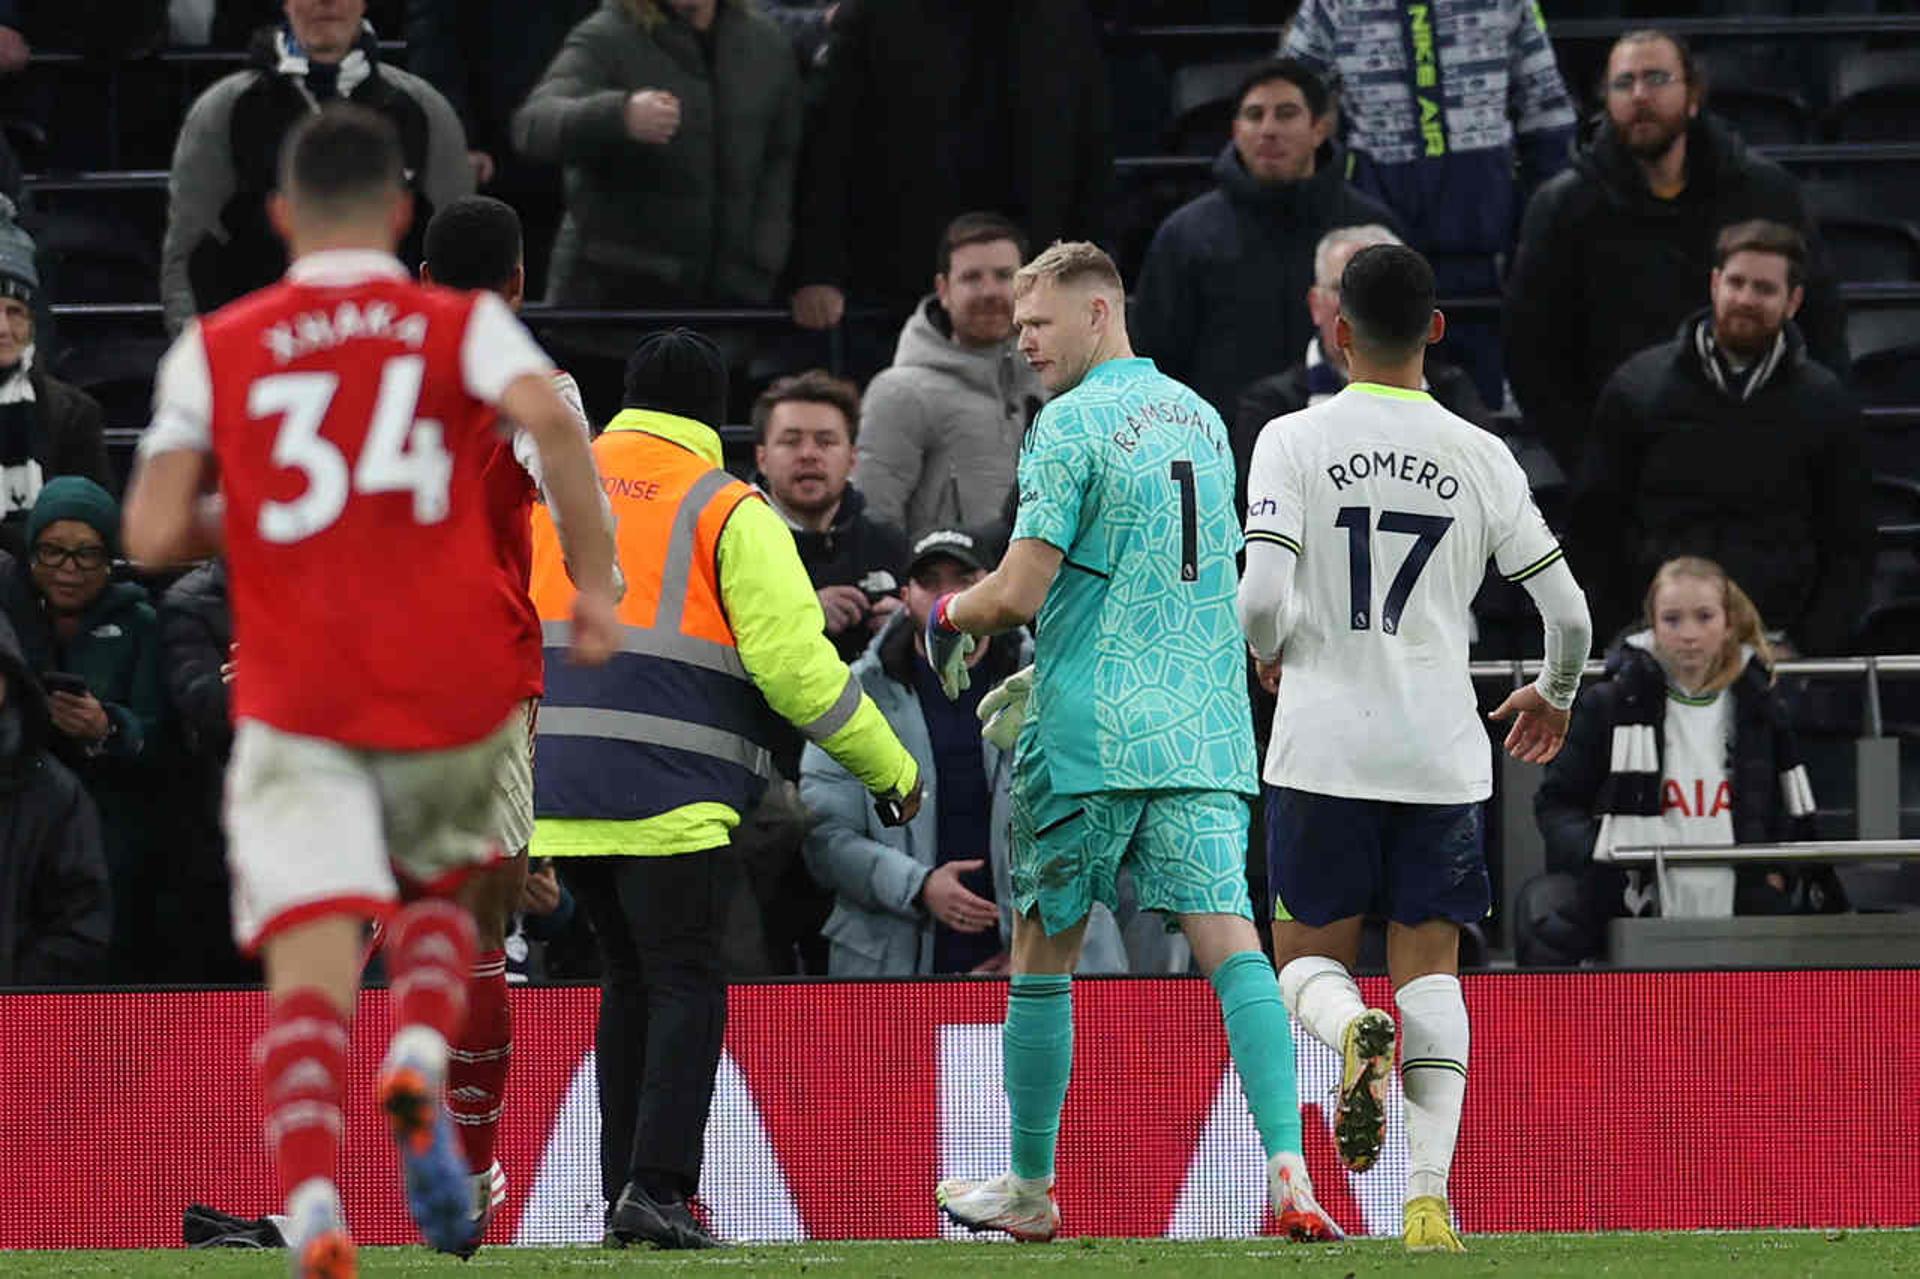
1358,521
1189,521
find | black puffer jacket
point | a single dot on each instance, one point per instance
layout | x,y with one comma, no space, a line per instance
196,630
1604,269
1568,805
1222,295
54,914
1776,488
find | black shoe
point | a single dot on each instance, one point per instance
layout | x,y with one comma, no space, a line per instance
640,1218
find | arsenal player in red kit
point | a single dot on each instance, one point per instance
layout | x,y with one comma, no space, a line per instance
349,414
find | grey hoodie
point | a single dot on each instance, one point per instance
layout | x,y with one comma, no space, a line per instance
940,430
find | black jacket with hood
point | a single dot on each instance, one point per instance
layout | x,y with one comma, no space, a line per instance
1604,269
1222,295
54,915
1774,487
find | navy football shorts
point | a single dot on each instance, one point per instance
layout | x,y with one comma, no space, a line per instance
1331,858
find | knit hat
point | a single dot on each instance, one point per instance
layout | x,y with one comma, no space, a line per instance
680,372
75,497
18,278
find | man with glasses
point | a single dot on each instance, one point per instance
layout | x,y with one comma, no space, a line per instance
1615,253
1221,296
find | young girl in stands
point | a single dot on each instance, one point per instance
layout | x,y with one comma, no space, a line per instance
1685,742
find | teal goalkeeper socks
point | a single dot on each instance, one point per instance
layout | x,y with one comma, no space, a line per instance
1037,1044
1261,1040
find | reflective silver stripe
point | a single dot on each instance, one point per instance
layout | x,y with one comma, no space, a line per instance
836,716
679,563
672,645
654,730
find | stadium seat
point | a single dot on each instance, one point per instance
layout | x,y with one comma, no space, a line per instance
1749,88
92,255
1885,348
1203,105
1876,96
1868,250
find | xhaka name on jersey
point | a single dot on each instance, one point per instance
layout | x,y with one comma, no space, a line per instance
348,321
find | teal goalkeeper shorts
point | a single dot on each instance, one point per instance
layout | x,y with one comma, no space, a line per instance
1186,850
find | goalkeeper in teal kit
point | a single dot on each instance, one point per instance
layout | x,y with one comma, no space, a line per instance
1134,736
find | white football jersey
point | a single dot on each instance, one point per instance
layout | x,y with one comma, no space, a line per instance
1393,506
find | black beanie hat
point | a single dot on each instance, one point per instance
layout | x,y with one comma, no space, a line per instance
680,372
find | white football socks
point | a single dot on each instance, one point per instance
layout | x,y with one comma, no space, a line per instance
1322,996
1433,1075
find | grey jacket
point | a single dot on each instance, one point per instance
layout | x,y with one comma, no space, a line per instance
704,217
876,929
940,430
203,178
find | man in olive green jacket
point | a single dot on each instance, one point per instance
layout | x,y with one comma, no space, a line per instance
678,125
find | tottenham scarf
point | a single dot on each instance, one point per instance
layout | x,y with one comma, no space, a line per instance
22,466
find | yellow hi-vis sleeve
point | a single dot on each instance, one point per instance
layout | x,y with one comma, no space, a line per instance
781,635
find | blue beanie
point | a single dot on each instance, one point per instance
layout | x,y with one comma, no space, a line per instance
18,277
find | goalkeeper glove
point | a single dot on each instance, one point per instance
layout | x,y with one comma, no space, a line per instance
1004,710
947,649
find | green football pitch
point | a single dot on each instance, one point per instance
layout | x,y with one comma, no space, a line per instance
1667,1256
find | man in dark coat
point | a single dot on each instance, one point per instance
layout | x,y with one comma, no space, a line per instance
1323,373
54,918
47,428
1614,253
930,108
1222,295
196,636
1729,443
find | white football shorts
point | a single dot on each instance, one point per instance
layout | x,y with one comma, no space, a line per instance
315,828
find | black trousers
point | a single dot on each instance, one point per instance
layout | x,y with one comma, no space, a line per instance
663,1009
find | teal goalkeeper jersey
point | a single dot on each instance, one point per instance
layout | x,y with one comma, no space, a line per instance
1140,671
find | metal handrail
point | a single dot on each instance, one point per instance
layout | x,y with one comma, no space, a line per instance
1813,850
1790,154
1519,669
1819,852
1592,28
1861,296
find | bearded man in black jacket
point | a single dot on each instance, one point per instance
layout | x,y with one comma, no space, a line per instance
1728,442
1614,253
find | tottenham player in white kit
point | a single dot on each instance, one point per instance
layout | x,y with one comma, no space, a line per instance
1370,521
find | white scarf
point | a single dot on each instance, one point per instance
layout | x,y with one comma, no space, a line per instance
21,475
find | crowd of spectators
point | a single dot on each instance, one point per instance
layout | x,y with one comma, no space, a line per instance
1671,330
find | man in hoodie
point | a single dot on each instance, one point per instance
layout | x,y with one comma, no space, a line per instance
1615,252
225,163
53,876
1728,442
1221,298
941,429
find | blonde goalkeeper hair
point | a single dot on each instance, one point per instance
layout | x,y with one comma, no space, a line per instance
1070,262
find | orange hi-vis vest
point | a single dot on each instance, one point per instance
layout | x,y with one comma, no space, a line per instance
674,719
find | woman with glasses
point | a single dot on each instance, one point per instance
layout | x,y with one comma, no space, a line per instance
94,645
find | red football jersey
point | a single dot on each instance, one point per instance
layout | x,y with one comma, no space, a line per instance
350,412
512,490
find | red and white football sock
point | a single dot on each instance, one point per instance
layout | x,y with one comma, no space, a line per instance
430,950
302,1059
477,1064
